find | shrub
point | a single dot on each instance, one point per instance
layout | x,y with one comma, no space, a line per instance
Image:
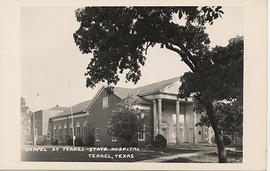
69,141
41,140
134,144
55,142
160,141
78,141
227,140
89,141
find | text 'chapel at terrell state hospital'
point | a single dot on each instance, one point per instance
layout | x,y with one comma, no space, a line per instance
170,116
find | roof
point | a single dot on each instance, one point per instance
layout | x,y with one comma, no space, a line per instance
144,90
58,108
78,108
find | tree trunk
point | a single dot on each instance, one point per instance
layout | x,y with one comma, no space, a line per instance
222,156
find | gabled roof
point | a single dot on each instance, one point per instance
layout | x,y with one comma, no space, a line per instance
144,90
58,108
78,108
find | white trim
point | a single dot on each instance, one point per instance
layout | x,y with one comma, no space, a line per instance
168,86
69,117
142,107
95,97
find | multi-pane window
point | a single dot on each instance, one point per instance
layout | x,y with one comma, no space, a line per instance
78,132
70,129
60,130
141,135
65,130
97,134
84,129
105,102
114,138
48,135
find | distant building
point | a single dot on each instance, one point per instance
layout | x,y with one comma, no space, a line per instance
41,118
170,116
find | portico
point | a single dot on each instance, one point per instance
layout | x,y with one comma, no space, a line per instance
173,120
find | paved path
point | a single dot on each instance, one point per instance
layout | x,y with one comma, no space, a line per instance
205,149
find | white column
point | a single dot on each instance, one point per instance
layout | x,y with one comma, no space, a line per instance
159,116
209,135
155,117
194,128
177,122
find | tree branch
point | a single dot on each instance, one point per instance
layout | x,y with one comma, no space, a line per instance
183,56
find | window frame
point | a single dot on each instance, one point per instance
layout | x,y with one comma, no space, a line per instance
143,135
105,102
97,134
114,138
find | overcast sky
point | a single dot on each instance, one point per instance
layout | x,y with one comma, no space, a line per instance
50,59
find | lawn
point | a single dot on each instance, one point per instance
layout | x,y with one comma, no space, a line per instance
98,156
232,157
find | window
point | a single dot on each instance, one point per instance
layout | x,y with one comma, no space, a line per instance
105,102
84,129
70,129
114,138
78,131
97,134
65,129
48,135
60,130
141,135
54,130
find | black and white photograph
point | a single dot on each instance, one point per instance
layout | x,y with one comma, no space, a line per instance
132,84
141,86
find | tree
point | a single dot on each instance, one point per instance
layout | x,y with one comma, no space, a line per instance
218,81
119,38
127,121
25,120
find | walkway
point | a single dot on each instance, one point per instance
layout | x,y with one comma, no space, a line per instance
204,149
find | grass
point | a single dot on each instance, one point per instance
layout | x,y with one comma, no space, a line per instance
232,157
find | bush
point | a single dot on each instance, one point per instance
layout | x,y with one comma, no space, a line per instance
78,142
89,141
41,140
227,140
134,144
160,141
69,141
55,142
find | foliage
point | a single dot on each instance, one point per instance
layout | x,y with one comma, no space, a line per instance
90,141
229,116
127,121
55,142
217,86
139,28
25,120
160,141
227,140
41,140
78,141
69,140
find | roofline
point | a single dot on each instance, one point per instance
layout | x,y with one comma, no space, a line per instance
67,115
95,97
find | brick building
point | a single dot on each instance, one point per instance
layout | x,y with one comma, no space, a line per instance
170,116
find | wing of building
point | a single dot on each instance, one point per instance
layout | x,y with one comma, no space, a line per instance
170,116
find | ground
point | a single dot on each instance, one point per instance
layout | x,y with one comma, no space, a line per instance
201,153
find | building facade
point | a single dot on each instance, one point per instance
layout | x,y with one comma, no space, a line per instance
168,115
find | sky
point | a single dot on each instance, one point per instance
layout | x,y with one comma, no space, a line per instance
50,60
